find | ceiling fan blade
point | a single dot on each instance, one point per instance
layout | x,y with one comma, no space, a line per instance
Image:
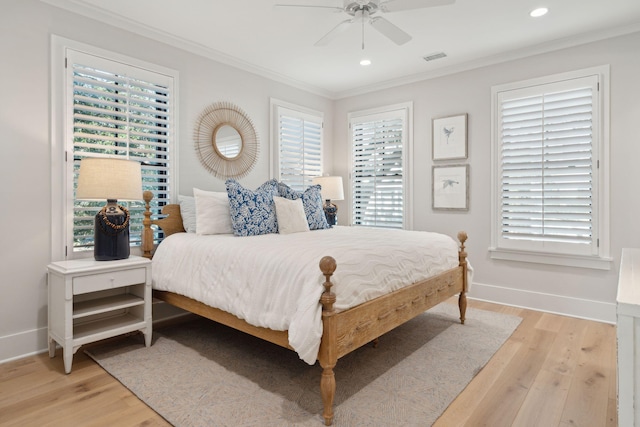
400,5
337,9
326,39
389,30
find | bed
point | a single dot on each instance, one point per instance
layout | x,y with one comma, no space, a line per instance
342,329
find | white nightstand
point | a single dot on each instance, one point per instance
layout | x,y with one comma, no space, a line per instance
92,300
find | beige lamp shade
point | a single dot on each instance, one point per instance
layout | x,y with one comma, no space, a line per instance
331,187
109,179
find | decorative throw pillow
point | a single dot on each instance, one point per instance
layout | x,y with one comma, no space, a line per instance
252,212
212,212
290,215
188,212
312,202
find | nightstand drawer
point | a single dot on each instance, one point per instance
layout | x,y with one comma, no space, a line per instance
114,279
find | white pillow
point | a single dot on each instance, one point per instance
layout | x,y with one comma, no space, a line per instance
290,215
212,212
188,212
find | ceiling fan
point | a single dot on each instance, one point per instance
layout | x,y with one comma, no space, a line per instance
363,11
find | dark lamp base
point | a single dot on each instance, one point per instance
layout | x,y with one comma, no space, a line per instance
330,212
111,234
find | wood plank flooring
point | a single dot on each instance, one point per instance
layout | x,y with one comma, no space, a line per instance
553,371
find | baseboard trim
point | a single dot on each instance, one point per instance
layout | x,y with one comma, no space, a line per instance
549,303
23,344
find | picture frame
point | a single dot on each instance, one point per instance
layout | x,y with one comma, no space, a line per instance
450,187
450,138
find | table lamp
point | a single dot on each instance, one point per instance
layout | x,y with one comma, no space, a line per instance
331,189
113,180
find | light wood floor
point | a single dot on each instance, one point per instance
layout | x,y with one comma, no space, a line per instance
553,371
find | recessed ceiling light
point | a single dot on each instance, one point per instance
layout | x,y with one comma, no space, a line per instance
365,62
535,13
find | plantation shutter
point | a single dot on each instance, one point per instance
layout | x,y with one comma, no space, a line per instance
300,148
124,112
547,165
377,170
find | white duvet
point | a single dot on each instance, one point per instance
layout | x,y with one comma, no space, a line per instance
274,280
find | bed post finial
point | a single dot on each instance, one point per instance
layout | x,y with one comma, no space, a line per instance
147,232
462,236
327,266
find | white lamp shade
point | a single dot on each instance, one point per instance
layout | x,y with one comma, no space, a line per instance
331,187
109,179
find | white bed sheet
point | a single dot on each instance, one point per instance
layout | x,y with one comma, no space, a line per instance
274,281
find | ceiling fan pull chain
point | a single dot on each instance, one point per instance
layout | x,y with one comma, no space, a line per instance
363,33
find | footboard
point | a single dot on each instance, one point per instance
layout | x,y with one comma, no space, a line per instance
370,320
348,330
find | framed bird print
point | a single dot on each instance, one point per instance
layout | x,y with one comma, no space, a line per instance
450,138
451,187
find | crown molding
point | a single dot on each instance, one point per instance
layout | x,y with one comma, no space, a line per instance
116,20
538,49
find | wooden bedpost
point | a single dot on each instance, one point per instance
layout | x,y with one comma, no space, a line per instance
327,355
462,256
147,232
171,223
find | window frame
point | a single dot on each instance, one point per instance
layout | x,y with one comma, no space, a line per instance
405,111
62,144
596,257
277,108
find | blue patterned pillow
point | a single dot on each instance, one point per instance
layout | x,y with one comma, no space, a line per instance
312,202
252,212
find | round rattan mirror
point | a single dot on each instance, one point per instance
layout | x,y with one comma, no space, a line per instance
226,141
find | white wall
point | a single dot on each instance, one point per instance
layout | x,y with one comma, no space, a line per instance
26,27
579,292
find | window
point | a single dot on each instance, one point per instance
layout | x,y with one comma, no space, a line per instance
379,168
298,148
114,109
550,170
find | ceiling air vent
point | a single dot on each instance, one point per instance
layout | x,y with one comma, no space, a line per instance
434,56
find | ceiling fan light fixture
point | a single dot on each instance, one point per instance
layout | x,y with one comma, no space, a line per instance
536,13
365,62
365,12
353,7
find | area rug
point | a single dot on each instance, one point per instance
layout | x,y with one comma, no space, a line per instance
200,373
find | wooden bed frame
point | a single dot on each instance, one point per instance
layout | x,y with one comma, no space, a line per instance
343,331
